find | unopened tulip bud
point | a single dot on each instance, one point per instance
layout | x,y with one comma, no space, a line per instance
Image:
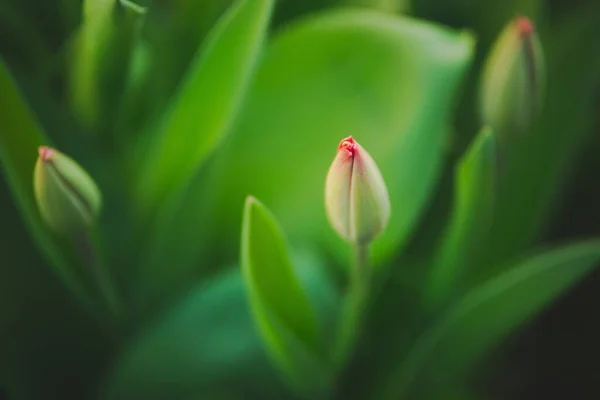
67,197
513,79
356,198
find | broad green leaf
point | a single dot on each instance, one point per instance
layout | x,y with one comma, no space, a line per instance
487,314
388,81
206,339
475,181
20,137
204,108
207,342
280,306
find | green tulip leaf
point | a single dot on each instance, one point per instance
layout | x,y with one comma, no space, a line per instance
391,6
207,102
203,340
206,342
388,81
486,315
475,180
103,51
196,122
90,46
280,306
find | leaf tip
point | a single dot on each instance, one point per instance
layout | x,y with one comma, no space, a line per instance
251,202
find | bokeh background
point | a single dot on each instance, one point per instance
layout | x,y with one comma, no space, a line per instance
553,357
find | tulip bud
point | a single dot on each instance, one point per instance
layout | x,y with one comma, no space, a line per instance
67,197
513,79
356,198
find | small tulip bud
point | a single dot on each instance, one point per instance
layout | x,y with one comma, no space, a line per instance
356,198
67,197
513,79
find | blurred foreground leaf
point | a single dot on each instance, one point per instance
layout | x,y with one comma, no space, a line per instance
487,314
280,306
204,340
207,342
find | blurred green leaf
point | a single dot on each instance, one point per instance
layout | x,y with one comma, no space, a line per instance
207,339
174,31
102,57
91,44
280,306
197,121
487,314
207,342
391,6
388,81
475,180
20,137
202,112
132,7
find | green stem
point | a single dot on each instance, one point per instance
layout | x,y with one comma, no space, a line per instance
354,305
101,279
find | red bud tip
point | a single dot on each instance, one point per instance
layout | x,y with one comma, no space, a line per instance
348,144
46,153
524,26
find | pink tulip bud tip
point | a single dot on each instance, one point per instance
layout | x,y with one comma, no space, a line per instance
524,25
348,144
46,153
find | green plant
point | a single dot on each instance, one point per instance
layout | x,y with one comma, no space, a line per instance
161,299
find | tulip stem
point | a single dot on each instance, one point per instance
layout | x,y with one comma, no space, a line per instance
100,276
354,305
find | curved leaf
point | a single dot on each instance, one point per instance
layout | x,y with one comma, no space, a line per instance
200,116
388,81
206,105
383,5
207,343
91,43
280,305
484,317
204,340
